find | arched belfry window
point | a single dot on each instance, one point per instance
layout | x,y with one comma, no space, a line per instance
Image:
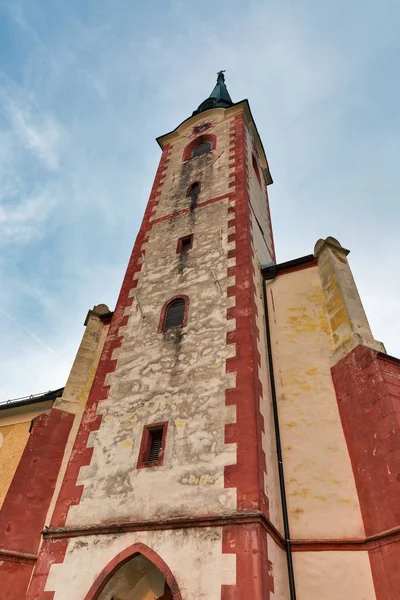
174,313
202,148
200,145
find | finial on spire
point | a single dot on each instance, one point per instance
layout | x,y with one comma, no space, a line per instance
219,97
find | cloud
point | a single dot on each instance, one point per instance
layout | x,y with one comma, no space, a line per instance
95,83
30,333
21,222
39,133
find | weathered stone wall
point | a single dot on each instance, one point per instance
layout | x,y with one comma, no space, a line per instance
210,170
202,379
193,555
178,377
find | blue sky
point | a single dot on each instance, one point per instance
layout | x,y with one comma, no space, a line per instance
86,87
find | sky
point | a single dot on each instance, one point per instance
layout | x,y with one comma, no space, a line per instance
86,87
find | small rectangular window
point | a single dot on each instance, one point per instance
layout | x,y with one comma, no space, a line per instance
151,452
156,438
184,244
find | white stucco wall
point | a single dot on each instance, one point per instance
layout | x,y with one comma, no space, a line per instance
178,376
193,556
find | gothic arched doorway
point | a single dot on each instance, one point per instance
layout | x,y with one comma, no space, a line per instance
137,573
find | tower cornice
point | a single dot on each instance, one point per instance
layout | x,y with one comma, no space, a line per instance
239,107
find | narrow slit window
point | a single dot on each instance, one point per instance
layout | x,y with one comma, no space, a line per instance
175,314
193,194
184,244
156,438
152,447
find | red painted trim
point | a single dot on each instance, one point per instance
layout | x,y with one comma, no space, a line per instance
184,239
368,393
253,573
19,557
164,310
14,579
205,137
125,556
25,507
167,524
298,545
247,475
145,446
385,571
51,552
70,492
28,499
191,186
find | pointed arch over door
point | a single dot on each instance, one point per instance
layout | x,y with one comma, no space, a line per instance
124,557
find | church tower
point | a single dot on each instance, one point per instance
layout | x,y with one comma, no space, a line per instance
240,440
171,456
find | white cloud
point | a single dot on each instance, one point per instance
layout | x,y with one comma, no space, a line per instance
39,133
21,222
116,77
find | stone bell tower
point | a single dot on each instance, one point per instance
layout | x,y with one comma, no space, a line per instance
173,473
241,437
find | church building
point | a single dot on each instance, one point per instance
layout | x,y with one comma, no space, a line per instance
231,431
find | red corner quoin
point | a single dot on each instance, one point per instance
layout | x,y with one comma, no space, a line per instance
367,387
247,475
25,507
53,551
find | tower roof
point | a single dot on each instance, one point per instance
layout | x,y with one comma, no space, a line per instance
219,97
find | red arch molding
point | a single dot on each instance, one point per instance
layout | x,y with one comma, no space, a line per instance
164,309
206,137
123,557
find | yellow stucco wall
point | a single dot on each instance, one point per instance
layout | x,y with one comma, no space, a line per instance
322,497
15,438
333,576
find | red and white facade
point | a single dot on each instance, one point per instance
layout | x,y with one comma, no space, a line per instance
209,521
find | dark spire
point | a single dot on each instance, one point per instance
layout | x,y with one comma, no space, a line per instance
218,97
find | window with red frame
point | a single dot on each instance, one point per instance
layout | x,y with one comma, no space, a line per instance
174,314
184,244
256,169
151,452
